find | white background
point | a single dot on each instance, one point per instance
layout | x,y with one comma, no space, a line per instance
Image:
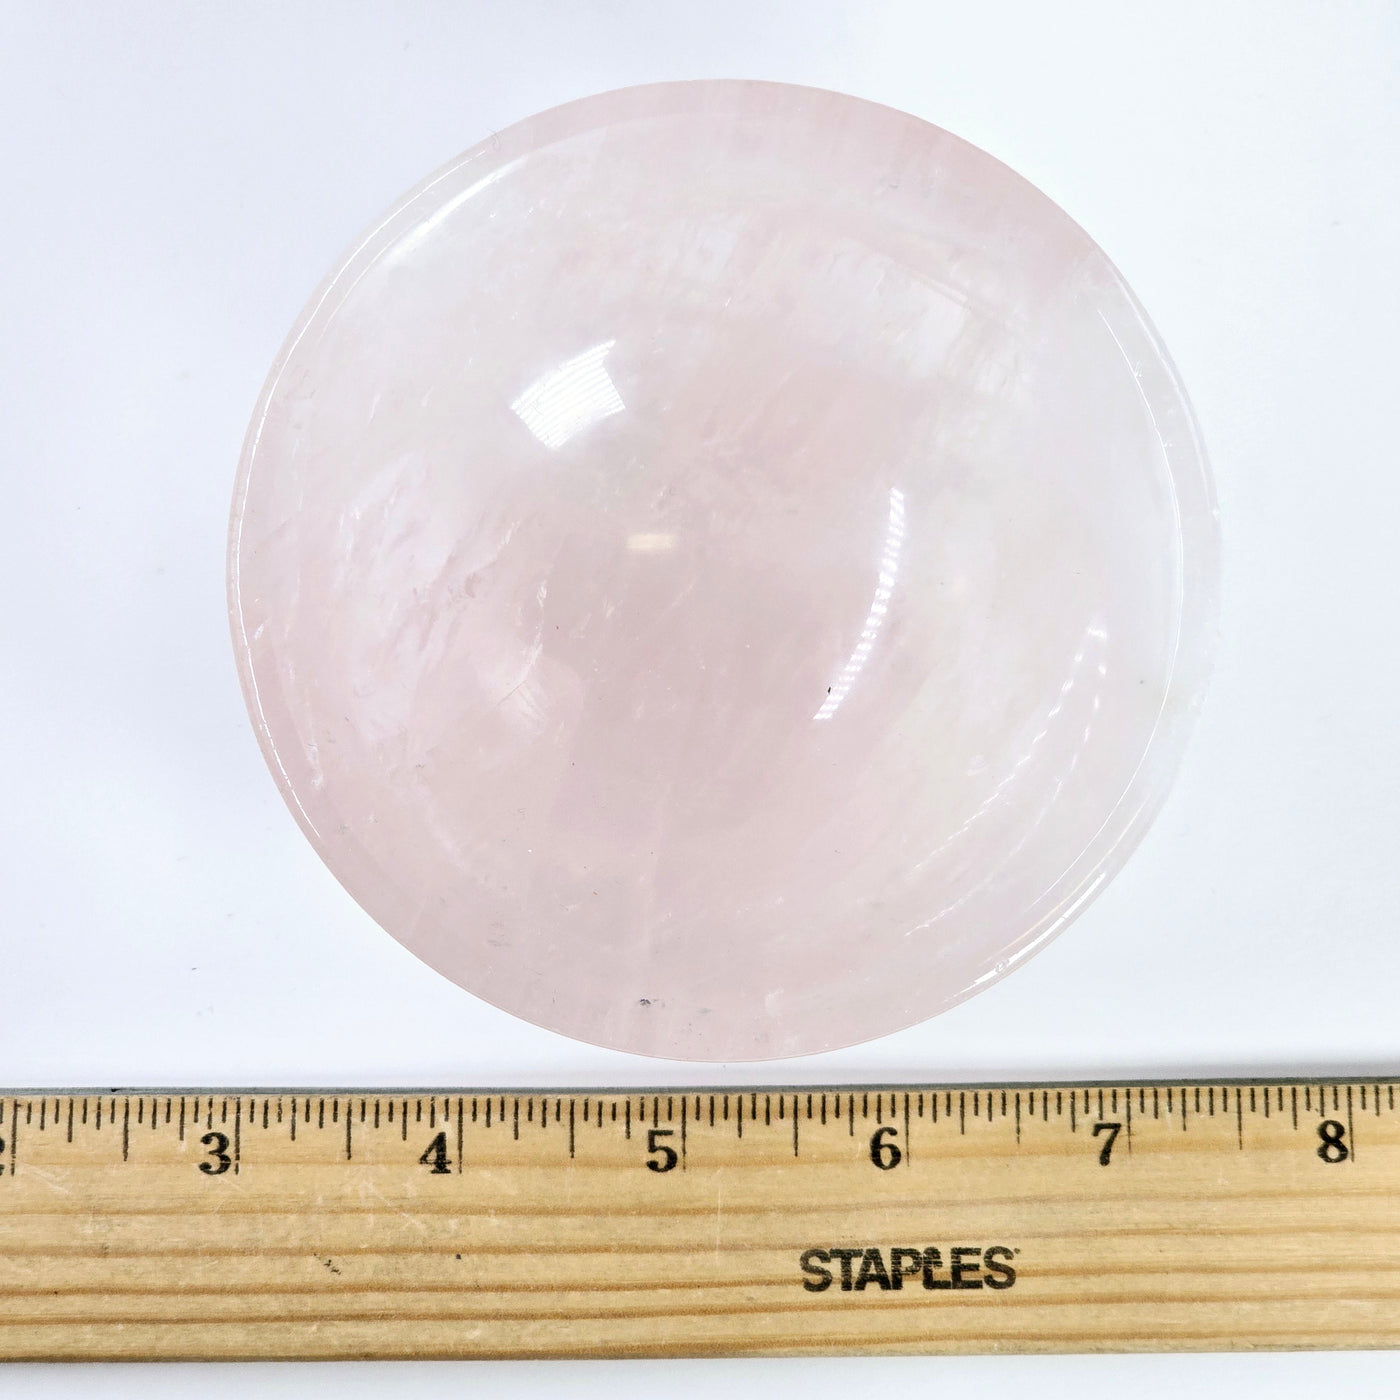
174,181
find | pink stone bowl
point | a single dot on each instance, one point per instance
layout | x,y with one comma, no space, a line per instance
723,570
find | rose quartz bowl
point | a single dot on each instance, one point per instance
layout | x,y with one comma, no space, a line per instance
723,570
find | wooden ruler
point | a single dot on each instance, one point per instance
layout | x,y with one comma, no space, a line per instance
1056,1217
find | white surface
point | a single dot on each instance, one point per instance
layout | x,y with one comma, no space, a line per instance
177,179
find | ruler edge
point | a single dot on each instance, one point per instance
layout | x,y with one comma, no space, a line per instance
625,1091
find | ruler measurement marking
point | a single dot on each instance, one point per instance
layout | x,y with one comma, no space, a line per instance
1351,1131
46,1114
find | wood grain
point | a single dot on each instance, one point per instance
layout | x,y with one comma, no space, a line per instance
475,1224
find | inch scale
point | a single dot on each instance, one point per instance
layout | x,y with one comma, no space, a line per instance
875,1219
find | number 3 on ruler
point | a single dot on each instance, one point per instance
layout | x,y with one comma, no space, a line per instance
217,1143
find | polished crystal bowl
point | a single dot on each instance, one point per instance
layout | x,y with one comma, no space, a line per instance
723,570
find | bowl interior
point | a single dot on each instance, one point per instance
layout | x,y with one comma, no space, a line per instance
710,571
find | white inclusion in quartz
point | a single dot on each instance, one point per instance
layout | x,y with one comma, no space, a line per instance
879,606
569,398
